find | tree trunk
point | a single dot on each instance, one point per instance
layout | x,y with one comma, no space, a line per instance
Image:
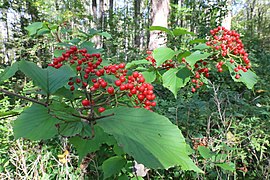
159,17
137,11
227,21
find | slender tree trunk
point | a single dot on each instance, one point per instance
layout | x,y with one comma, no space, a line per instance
159,17
137,11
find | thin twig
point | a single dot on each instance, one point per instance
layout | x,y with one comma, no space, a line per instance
23,97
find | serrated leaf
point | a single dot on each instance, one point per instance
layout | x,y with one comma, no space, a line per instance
9,72
196,56
49,79
149,76
149,137
35,123
136,63
174,79
85,146
181,31
113,165
227,166
163,54
249,78
34,27
160,28
205,152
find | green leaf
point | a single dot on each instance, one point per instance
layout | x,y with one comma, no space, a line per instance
197,41
8,113
183,55
34,27
113,165
174,79
163,54
85,146
136,63
75,41
105,34
9,72
205,152
70,128
43,31
35,123
249,78
196,56
227,166
201,46
149,76
160,28
58,52
70,124
181,31
149,137
49,79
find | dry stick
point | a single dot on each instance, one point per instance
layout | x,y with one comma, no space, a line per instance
23,97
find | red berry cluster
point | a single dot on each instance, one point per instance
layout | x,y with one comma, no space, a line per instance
200,70
89,78
230,46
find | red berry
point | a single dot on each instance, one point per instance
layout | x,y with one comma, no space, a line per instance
122,78
85,102
110,90
237,76
122,65
135,74
193,90
103,84
101,109
72,88
78,68
117,82
78,80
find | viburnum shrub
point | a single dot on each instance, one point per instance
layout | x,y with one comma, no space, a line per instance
90,79
93,105
223,51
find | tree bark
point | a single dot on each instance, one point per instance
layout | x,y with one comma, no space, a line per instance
159,17
137,11
227,21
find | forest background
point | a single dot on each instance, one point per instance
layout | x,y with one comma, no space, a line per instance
242,133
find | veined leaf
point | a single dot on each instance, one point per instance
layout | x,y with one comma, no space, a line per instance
49,79
35,123
113,165
149,137
85,146
9,72
174,79
249,78
163,54
196,56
